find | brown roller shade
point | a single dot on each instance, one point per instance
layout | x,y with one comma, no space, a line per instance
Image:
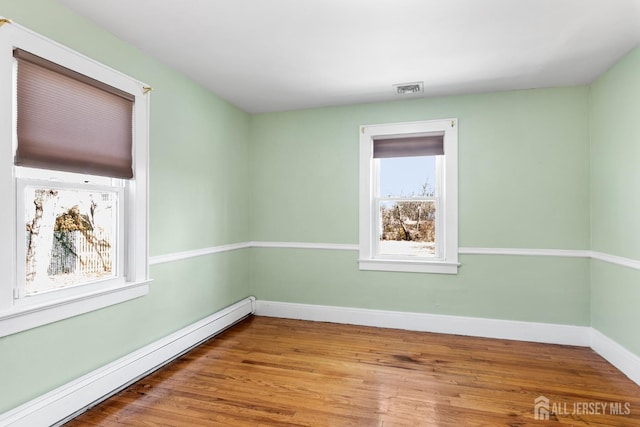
70,122
431,144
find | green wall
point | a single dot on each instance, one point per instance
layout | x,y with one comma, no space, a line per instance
535,289
615,204
199,198
523,183
548,168
523,168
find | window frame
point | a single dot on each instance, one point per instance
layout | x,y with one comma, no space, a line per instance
447,196
19,313
24,179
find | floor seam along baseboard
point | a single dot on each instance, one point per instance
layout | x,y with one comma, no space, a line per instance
64,402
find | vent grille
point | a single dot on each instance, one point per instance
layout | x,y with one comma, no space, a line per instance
408,88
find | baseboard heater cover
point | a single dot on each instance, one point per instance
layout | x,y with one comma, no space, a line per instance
66,402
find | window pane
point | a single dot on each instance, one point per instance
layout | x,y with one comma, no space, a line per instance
407,228
407,176
70,237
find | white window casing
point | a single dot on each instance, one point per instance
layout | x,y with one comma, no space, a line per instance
446,199
18,311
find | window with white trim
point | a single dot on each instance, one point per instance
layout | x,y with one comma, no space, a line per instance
408,197
74,163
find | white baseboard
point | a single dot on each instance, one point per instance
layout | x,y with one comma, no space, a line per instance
457,325
69,400
63,403
584,336
627,362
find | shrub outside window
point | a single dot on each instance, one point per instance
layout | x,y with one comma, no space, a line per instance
408,197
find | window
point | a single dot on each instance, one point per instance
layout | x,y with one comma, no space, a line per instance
408,197
71,234
73,162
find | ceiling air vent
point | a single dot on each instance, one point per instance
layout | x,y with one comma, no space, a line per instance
408,88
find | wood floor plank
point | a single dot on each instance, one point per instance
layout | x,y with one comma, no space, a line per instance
278,372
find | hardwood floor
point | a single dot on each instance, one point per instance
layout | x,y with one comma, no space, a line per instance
276,372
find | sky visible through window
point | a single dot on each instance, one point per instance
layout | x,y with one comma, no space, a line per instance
402,176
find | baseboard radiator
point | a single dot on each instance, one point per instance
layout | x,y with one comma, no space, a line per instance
65,402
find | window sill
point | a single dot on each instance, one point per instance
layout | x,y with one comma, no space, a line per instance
409,266
26,317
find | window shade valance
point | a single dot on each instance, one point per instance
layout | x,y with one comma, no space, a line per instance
431,144
70,122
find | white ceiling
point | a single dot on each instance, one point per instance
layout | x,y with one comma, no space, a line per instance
276,55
